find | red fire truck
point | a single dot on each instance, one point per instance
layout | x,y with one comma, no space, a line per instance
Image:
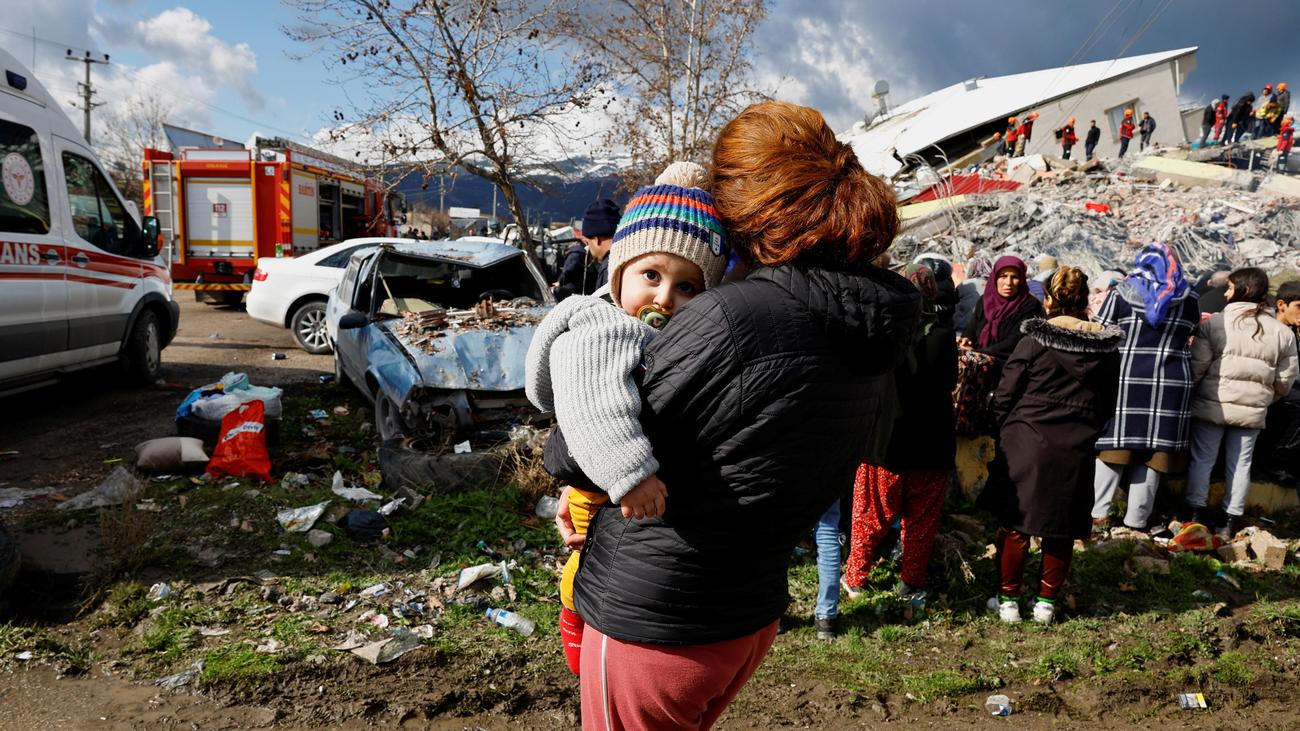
220,210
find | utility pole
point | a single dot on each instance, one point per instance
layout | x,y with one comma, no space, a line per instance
87,91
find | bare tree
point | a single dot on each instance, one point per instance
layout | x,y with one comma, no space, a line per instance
135,124
682,69
451,84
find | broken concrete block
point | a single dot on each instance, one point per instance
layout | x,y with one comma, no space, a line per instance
1282,185
1022,174
1234,552
1257,249
319,538
1191,174
1059,163
1268,549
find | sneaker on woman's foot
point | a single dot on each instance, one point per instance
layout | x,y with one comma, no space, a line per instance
825,626
1044,612
1008,611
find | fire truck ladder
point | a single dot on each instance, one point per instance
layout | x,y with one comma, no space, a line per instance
164,204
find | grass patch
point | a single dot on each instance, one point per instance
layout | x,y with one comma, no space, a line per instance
1234,668
939,684
238,663
72,656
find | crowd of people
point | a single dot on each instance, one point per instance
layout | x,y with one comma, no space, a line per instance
736,370
1267,115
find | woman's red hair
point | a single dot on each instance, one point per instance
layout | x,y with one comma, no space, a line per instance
789,192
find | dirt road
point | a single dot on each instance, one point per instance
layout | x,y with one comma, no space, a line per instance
65,433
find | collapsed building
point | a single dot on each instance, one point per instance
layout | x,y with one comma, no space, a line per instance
1220,208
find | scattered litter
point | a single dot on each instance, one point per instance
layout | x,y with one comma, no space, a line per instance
159,591
270,647
119,487
295,479
376,590
213,631
1192,701
12,497
355,494
365,526
341,410
547,507
300,520
505,574
998,705
391,507
319,538
401,642
1225,578
486,549
424,329
353,640
9,453
318,414
463,447
25,655
282,552
327,378
1202,595
511,620
379,620
477,573
114,460
185,677
278,356
424,631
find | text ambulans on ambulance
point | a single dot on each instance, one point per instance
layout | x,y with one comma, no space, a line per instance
81,280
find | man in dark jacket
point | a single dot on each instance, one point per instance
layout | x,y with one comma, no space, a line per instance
1090,142
585,267
1277,453
1207,123
1240,117
1145,129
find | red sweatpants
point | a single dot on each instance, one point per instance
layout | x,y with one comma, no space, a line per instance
634,686
1013,553
880,496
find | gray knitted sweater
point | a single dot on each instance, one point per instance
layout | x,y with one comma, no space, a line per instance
581,365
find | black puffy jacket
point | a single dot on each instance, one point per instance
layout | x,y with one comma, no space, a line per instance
758,398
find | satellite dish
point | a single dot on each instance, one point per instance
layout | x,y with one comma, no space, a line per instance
882,88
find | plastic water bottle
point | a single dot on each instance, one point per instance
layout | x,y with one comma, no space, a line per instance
998,705
518,623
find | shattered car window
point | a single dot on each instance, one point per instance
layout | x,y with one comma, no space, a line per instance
415,284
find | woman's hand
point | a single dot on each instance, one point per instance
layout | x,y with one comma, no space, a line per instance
564,523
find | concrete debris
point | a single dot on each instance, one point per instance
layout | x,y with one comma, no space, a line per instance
1095,215
1268,549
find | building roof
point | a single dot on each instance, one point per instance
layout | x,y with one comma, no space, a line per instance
180,138
966,105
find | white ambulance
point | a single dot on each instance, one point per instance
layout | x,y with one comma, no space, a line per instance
81,279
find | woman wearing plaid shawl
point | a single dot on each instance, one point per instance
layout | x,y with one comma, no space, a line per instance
1148,435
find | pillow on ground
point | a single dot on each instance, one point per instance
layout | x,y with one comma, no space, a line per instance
170,454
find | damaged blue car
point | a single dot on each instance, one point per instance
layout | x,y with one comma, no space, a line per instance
435,334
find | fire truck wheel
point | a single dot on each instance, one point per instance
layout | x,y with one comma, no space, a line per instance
143,351
308,328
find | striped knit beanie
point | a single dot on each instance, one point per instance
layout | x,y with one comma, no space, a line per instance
673,216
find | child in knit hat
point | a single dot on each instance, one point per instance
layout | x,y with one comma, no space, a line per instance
582,362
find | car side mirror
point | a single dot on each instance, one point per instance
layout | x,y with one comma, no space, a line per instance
353,320
151,236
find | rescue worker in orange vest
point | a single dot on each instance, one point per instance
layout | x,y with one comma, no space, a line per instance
1125,132
1221,119
1068,138
1026,133
1285,139
1010,137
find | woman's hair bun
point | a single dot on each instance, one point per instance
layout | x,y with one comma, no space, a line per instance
683,174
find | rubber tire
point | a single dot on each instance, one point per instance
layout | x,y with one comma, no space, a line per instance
387,411
142,354
409,463
316,309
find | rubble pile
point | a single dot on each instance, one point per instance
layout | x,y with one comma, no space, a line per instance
1095,218
423,329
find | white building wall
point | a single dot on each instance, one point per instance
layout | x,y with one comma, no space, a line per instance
1154,90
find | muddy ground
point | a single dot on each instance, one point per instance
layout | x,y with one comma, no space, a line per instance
96,645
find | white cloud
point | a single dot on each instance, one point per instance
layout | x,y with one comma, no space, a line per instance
185,39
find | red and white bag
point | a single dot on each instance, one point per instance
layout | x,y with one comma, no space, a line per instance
241,452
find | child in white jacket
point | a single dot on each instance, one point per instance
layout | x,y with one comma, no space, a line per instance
1242,361
669,246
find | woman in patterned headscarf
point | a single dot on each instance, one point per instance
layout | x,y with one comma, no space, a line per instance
1149,434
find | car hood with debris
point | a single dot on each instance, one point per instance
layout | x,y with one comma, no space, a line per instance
469,352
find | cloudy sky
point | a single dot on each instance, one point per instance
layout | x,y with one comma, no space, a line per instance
232,71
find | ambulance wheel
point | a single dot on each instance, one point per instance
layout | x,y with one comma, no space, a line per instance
308,328
143,351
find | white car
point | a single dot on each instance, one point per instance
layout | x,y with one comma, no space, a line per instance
291,292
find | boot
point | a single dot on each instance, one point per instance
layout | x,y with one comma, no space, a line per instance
1231,524
1200,514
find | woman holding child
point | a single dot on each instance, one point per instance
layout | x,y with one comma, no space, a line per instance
757,398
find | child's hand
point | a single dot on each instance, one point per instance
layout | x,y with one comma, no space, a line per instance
646,500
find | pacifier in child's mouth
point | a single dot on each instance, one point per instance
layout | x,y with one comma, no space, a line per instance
653,316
